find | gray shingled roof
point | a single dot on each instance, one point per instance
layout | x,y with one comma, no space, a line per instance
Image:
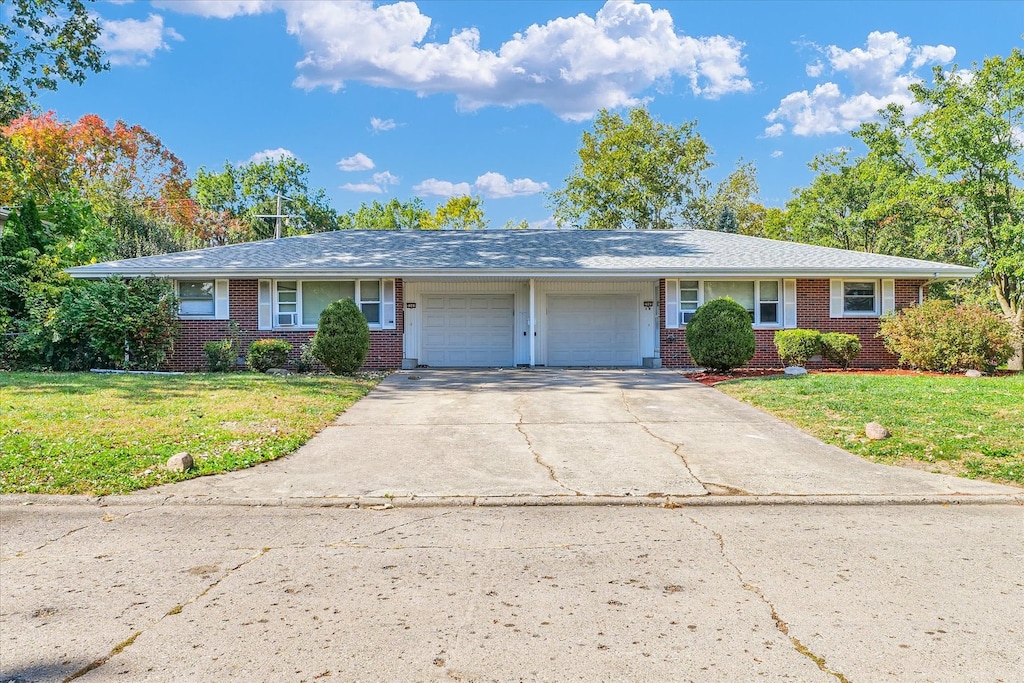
534,253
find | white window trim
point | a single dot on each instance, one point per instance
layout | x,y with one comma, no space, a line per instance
757,324
876,310
220,299
275,310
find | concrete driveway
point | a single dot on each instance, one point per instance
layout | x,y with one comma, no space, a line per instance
562,436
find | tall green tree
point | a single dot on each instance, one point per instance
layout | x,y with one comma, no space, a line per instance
43,42
393,215
248,195
864,204
737,195
460,213
636,172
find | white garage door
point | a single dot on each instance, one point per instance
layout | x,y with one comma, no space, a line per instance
593,330
467,330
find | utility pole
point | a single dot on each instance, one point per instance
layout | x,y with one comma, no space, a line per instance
278,226
277,221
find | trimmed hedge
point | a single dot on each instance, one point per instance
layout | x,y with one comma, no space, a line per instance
841,349
220,355
796,347
720,336
267,353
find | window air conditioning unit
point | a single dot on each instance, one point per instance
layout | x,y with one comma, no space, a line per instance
287,319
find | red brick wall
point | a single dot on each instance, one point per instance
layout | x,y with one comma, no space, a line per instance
812,312
385,345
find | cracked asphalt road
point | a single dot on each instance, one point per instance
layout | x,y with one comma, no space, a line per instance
801,593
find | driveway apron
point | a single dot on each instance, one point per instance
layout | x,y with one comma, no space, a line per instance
563,433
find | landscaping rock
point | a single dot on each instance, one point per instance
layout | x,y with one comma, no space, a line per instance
280,372
973,373
180,462
876,431
795,370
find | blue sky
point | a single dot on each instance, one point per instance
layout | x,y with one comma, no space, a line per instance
433,98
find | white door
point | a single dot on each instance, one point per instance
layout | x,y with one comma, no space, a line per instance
467,330
593,330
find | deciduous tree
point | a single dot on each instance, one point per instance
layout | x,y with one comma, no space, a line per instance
636,173
460,213
41,43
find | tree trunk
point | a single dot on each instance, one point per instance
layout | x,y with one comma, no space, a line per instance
1016,361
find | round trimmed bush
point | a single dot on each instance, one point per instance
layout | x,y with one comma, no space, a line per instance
342,340
720,336
796,347
840,348
267,353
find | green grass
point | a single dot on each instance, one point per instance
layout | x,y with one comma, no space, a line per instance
954,425
103,434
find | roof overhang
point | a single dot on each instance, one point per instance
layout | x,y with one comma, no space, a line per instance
946,273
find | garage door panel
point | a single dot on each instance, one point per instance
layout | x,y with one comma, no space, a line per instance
597,330
467,330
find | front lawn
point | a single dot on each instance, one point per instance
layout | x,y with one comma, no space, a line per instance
954,425
103,434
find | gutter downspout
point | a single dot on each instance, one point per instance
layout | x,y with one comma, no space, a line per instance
927,283
532,324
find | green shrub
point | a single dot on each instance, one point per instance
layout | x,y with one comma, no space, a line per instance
796,347
307,361
840,348
220,355
940,336
267,353
342,339
719,335
113,323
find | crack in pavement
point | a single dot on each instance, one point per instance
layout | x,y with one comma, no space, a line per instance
780,623
103,520
390,528
177,609
675,447
536,455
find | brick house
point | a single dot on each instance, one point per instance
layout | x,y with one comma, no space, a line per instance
530,297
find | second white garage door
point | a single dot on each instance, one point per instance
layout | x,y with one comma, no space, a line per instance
467,330
593,330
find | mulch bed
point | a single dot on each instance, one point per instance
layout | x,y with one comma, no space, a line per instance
712,378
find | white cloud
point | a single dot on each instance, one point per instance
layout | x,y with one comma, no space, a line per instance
544,224
356,162
571,65
496,186
774,130
217,9
362,187
270,155
385,178
382,125
776,154
132,42
814,70
441,188
938,54
490,185
879,74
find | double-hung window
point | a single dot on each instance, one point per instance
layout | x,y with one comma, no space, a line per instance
860,298
299,303
760,298
689,299
196,298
